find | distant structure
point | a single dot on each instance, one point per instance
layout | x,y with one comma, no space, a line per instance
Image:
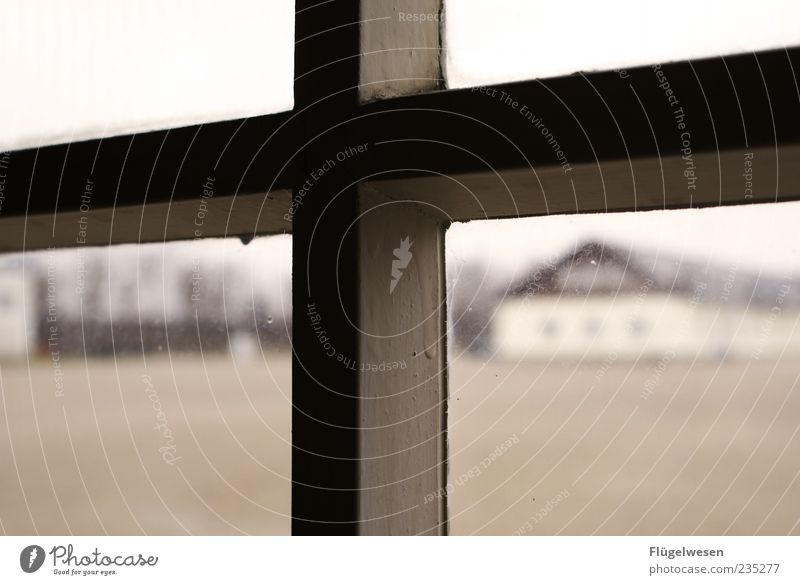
600,301
133,300
14,306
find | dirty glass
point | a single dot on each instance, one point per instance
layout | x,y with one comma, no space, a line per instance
629,373
515,40
145,389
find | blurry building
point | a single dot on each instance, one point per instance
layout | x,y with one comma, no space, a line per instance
599,302
134,300
14,306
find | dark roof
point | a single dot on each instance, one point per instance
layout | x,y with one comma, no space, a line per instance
599,268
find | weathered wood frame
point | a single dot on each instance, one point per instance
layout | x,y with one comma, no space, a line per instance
369,443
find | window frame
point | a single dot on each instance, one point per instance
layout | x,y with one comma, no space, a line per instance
364,454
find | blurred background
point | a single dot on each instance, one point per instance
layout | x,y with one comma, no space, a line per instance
146,389
630,373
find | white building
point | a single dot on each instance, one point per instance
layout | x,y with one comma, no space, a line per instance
16,313
599,303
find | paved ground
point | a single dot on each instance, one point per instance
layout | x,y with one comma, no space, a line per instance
576,451
712,449
95,459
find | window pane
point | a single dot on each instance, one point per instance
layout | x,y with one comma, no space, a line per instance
146,389
626,373
89,68
518,39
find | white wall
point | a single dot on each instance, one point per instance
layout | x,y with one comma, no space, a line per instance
668,323
16,302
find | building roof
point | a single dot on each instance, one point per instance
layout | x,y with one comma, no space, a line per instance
600,268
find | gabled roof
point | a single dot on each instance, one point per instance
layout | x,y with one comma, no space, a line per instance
601,268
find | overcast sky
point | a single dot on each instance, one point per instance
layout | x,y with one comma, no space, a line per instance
763,236
520,39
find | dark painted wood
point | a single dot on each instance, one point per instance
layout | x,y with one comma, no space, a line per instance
729,103
243,156
325,275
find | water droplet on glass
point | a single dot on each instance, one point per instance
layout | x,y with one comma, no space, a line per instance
269,319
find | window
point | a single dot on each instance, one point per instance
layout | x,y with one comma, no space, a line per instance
378,156
147,65
504,42
668,405
146,389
